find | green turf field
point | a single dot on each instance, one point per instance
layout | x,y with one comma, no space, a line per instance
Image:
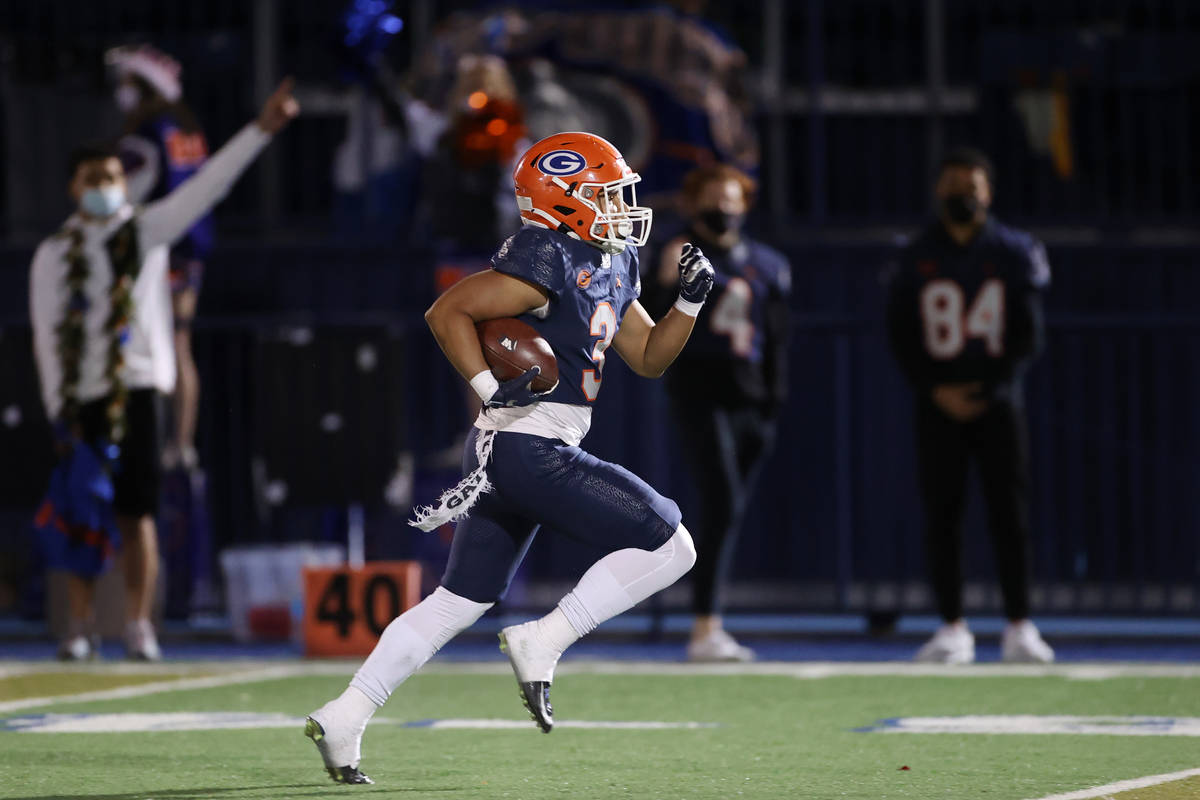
788,735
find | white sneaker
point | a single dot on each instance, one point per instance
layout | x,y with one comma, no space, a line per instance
718,646
1022,643
533,661
952,644
141,644
338,738
76,648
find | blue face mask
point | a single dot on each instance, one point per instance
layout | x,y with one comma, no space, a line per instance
103,202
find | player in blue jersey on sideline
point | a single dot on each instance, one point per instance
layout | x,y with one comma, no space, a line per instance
572,273
727,389
965,321
162,146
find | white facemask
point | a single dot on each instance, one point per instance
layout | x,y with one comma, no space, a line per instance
127,97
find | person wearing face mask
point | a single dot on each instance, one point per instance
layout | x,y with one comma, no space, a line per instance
727,389
964,321
161,146
102,332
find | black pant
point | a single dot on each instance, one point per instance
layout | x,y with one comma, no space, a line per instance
137,475
998,441
725,449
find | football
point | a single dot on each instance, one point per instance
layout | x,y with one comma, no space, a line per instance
511,347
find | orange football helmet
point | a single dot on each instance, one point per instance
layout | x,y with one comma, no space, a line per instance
575,183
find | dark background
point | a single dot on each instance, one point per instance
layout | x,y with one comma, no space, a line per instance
853,100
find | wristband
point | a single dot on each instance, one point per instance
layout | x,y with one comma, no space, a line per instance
689,308
485,385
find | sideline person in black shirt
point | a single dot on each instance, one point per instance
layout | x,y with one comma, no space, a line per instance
727,387
964,321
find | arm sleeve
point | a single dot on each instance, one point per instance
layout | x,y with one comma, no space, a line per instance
140,158
1025,323
1027,328
165,221
904,327
1038,267
533,256
46,306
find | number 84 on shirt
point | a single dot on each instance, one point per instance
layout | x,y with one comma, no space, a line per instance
949,324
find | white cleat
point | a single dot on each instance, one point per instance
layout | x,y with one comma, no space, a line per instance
718,646
952,644
533,662
339,741
1022,643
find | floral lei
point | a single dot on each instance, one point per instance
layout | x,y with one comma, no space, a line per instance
126,263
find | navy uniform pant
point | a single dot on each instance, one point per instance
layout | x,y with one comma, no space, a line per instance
538,481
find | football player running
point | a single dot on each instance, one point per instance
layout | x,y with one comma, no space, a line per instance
572,273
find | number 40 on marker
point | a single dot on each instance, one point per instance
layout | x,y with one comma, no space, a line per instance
346,609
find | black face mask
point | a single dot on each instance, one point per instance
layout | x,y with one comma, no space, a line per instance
960,208
718,221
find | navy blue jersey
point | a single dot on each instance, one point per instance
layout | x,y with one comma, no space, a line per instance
180,154
589,292
733,322
965,313
737,353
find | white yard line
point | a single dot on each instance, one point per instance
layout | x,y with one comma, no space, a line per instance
1044,724
819,669
1124,786
252,671
173,721
141,690
835,669
15,669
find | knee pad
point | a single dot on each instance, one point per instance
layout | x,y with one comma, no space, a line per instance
683,555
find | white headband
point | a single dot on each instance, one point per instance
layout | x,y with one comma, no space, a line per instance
153,66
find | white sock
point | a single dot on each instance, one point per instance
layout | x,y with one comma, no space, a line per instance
618,582
556,631
343,721
411,639
356,705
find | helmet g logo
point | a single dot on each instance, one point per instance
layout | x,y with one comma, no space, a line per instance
561,162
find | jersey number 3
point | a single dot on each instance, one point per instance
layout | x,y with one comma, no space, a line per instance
604,325
947,328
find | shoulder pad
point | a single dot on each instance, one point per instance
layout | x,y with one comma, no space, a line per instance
1034,269
535,255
